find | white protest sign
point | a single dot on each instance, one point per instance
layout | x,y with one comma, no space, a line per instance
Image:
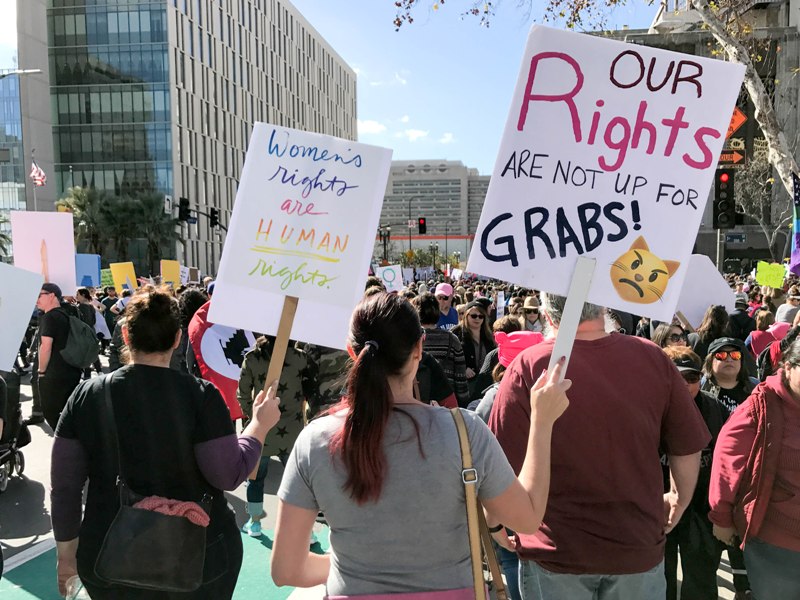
608,152
43,243
19,290
303,225
408,276
184,275
500,304
703,287
457,274
392,278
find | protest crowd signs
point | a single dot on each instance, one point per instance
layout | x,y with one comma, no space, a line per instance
703,286
608,154
302,227
124,275
43,243
392,277
771,275
171,272
87,270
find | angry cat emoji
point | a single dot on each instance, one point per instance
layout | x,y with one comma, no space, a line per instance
640,276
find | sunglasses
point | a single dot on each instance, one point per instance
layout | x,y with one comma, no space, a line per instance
691,377
677,337
44,294
476,316
443,297
531,311
733,354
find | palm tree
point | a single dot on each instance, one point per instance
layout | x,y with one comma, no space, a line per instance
5,238
87,206
156,227
120,216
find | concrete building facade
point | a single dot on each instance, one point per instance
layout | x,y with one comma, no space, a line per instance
161,96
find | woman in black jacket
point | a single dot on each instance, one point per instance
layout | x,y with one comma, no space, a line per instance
477,341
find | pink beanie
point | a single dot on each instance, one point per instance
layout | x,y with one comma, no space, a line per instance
511,344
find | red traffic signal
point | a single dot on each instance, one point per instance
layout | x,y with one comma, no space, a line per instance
422,225
723,177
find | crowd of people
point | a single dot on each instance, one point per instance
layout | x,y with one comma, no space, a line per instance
665,444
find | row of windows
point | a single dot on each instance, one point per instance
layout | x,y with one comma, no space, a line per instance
12,173
81,27
124,105
117,144
12,197
126,64
101,3
120,178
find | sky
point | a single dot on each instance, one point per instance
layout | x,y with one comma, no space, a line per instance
438,89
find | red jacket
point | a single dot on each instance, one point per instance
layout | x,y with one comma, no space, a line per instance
746,460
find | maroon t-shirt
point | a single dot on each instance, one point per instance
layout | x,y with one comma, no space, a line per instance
605,514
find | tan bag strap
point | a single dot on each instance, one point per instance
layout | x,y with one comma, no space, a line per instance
475,519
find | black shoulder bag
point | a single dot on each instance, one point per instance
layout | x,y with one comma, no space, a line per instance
144,548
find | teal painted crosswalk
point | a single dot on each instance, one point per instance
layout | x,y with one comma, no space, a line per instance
36,578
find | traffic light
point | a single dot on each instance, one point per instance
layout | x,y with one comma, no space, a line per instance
423,225
213,217
724,216
183,209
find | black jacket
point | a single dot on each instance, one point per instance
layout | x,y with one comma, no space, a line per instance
741,324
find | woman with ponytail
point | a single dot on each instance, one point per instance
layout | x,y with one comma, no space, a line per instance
385,469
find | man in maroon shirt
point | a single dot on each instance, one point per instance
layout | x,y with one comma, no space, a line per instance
603,534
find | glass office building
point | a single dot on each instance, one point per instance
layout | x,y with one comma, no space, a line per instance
12,160
162,96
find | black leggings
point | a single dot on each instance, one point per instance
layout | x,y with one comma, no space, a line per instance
54,393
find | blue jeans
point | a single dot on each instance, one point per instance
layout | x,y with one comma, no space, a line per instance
255,487
774,572
509,563
537,583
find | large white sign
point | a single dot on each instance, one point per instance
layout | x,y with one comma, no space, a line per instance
19,290
303,225
608,152
703,287
43,243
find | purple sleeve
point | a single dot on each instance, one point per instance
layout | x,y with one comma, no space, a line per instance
226,461
68,472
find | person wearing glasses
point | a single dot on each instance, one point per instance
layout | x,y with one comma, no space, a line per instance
693,536
531,315
755,482
448,317
668,335
477,341
727,380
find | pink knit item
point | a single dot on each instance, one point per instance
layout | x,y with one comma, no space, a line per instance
176,508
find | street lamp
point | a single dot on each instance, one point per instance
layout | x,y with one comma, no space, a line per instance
5,74
434,246
385,233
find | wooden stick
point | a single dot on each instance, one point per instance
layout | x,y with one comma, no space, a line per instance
570,319
279,350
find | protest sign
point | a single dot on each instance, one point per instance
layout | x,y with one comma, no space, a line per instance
457,274
106,278
392,278
171,272
771,275
703,287
194,275
408,276
608,153
184,275
19,289
500,304
124,276
302,227
43,243
87,270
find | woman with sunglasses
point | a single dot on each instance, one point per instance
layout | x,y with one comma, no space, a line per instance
532,318
668,335
693,537
477,341
727,380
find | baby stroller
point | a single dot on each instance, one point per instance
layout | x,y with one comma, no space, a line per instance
15,433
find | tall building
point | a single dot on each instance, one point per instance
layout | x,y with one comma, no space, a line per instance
12,158
161,96
448,194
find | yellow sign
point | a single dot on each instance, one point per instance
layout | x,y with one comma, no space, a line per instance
171,272
124,276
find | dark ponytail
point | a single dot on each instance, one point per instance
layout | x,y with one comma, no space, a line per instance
383,332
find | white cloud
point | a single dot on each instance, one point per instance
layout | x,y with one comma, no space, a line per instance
415,134
398,79
405,119
447,138
370,127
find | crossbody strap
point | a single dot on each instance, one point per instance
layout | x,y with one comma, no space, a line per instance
111,424
478,530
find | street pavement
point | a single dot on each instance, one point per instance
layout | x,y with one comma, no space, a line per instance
27,538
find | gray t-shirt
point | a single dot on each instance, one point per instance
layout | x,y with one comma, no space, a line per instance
786,313
414,538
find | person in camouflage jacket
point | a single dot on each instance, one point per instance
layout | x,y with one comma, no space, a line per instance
332,367
296,386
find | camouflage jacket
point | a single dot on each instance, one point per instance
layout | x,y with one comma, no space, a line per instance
298,383
332,367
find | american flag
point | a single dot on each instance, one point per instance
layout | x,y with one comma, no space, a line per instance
794,262
37,175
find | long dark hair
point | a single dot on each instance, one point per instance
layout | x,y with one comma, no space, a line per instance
384,329
715,324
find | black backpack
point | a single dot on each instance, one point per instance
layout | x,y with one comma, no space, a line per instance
81,349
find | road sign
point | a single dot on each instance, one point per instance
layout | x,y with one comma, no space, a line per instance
192,220
737,120
736,238
732,158
412,223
